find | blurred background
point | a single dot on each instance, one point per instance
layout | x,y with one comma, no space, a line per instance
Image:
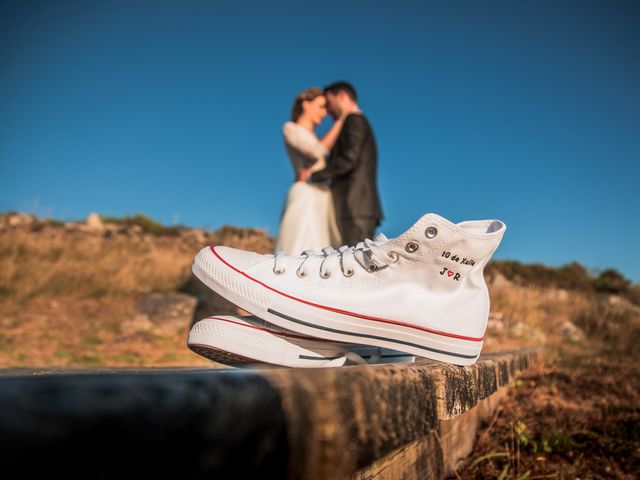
132,134
523,111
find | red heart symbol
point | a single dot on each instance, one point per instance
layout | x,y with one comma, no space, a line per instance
450,273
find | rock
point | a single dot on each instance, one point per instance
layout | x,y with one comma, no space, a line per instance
20,219
167,313
614,299
94,222
527,332
495,326
138,324
520,329
571,332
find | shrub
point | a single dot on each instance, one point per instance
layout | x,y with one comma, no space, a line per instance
572,276
611,281
148,224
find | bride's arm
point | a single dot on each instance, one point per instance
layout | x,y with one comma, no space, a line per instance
329,140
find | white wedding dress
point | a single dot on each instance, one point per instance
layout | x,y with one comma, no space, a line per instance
308,220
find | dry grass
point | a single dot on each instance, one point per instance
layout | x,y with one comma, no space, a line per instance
77,269
55,263
538,307
536,315
64,295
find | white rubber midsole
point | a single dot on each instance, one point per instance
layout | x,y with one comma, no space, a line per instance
245,337
318,322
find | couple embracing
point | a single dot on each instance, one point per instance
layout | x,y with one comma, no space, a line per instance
334,200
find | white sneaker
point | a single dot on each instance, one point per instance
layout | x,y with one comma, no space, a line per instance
243,340
422,293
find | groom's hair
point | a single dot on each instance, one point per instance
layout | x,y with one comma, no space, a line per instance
338,87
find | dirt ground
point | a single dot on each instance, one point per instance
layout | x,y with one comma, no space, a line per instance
576,417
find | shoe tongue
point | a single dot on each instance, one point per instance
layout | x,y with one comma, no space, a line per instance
380,238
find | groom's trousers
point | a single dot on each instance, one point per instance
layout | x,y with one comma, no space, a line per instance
356,229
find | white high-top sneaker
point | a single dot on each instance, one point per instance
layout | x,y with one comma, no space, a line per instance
422,292
242,340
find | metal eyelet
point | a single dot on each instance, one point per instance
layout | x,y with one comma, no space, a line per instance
300,273
393,256
431,232
372,268
325,275
411,247
279,272
348,273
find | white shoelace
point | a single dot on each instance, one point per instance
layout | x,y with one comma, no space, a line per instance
369,254
353,357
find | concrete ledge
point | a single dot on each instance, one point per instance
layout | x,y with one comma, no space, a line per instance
383,421
342,421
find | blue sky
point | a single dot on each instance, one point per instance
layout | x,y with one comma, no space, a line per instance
526,111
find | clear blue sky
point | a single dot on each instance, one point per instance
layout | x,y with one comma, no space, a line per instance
527,111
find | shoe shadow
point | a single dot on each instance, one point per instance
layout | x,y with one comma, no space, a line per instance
209,302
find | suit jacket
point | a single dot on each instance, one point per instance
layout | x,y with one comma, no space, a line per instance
352,169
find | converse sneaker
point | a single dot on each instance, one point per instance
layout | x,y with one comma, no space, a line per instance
422,293
243,340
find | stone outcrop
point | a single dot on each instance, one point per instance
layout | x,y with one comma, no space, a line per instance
94,222
163,314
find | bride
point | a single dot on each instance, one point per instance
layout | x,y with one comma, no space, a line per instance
308,221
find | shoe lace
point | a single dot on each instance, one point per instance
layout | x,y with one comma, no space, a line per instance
354,358
368,254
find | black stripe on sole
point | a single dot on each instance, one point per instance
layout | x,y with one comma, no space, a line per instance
364,335
309,357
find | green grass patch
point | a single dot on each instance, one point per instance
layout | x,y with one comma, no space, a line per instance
148,224
129,358
63,355
89,360
91,340
6,342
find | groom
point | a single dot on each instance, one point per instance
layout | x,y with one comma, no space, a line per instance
352,167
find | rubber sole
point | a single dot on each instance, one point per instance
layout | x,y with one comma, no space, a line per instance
247,340
220,356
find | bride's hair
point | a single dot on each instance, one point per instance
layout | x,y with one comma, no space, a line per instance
306,95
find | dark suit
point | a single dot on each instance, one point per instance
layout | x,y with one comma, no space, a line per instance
352,169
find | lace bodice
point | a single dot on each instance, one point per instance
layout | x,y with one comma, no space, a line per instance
304,148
